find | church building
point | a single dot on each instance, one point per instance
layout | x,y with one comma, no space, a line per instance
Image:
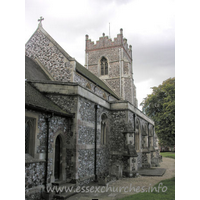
82,122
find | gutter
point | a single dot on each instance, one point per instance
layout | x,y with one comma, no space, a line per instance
48,111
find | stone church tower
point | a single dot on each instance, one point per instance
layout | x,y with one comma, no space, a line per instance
111,61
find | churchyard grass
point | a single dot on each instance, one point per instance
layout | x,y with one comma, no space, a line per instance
169,194
168,154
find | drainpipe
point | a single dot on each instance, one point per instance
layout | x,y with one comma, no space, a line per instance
134,128
95,143
47,153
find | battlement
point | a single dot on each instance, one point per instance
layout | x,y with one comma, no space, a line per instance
106,42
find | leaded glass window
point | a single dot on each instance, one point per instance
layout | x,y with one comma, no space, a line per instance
104,66
103,129
29,135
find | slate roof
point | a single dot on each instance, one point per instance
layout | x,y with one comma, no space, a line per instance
33,71
85,72
36,100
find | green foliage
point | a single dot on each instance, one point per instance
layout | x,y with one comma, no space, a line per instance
160,106
168,154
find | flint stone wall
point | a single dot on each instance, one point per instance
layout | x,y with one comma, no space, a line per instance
34,174
116,138
56,124
40,47
86,162
97,90
35,171
34,196
67,103
86,134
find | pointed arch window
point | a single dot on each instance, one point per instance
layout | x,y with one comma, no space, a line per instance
29,135
103,129
104,66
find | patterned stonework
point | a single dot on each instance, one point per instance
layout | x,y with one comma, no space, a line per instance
117,127
40,47
34,174
67,103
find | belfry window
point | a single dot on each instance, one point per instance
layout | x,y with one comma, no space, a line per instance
104,66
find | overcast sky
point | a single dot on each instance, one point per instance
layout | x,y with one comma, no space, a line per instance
149,27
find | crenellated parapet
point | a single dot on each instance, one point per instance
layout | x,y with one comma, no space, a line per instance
106,42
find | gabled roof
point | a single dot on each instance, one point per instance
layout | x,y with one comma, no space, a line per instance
40,28
33,71
36,100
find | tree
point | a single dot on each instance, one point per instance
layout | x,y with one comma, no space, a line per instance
160,106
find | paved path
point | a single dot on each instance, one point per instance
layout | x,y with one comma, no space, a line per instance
139,183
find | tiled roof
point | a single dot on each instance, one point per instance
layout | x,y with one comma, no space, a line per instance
35,99
33,71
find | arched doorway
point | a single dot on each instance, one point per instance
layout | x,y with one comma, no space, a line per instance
57,163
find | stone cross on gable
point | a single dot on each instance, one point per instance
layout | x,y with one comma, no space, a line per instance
40,20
